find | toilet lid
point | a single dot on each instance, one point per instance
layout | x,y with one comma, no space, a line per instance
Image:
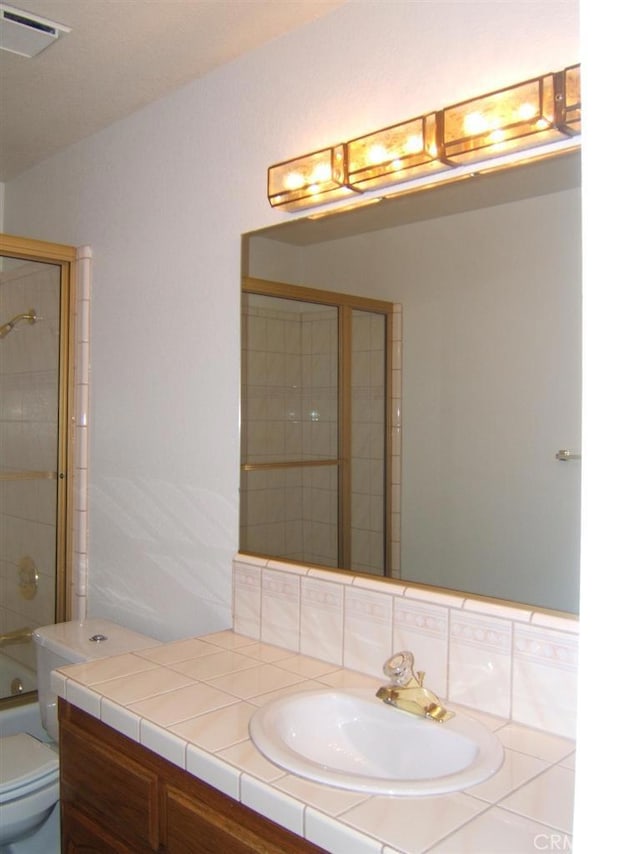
25,763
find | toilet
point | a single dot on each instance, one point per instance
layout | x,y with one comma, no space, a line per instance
29,768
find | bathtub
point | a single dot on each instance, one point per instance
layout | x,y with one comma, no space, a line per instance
24,717
11,670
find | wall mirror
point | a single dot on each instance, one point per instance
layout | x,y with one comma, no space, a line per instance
485,275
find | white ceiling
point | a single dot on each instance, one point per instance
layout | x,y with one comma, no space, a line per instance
119,56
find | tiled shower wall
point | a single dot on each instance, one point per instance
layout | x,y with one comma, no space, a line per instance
495,657
290,403
368,442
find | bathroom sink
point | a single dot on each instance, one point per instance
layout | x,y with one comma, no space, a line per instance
352,740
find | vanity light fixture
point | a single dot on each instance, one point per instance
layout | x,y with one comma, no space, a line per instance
312,179
570,104
537,112
399,153
513,119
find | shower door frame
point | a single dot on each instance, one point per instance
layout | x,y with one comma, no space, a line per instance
65,257
345,304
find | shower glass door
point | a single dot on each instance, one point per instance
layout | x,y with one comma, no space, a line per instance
314,427
31,460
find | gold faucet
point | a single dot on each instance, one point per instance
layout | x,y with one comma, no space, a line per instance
407,692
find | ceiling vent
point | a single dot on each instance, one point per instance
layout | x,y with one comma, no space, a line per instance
27,34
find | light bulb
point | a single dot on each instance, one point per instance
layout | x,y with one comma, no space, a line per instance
293,181
377,154
321,173
413,144
475,123
526,111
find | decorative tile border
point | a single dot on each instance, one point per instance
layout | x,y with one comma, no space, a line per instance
495,657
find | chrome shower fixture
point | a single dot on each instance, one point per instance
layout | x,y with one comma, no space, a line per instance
30,316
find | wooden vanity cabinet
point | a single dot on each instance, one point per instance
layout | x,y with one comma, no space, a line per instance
118,796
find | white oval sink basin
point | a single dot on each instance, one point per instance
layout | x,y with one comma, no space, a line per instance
352,740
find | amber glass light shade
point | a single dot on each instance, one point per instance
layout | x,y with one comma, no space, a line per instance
509,120
570,104
538,112
312,179
399,153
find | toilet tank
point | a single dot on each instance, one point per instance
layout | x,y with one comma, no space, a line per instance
72,643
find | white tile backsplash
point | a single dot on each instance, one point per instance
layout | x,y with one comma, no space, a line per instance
247,596
280,615
368,629
322,619
545,665
480,662
423,628
494,657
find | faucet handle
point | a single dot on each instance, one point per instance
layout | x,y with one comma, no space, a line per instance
399,668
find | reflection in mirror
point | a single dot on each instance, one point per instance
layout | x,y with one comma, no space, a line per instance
488,274
314,415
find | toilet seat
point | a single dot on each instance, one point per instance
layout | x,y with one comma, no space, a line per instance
27,765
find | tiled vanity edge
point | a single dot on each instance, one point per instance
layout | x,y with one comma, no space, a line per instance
500,658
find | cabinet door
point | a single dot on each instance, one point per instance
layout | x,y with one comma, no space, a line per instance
108,785
120,798
220,825
81,835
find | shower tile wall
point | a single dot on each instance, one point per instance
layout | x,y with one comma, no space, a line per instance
319,417
368,442
28,443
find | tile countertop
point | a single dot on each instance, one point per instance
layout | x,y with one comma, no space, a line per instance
190,701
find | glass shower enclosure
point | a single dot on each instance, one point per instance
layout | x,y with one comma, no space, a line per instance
34,331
